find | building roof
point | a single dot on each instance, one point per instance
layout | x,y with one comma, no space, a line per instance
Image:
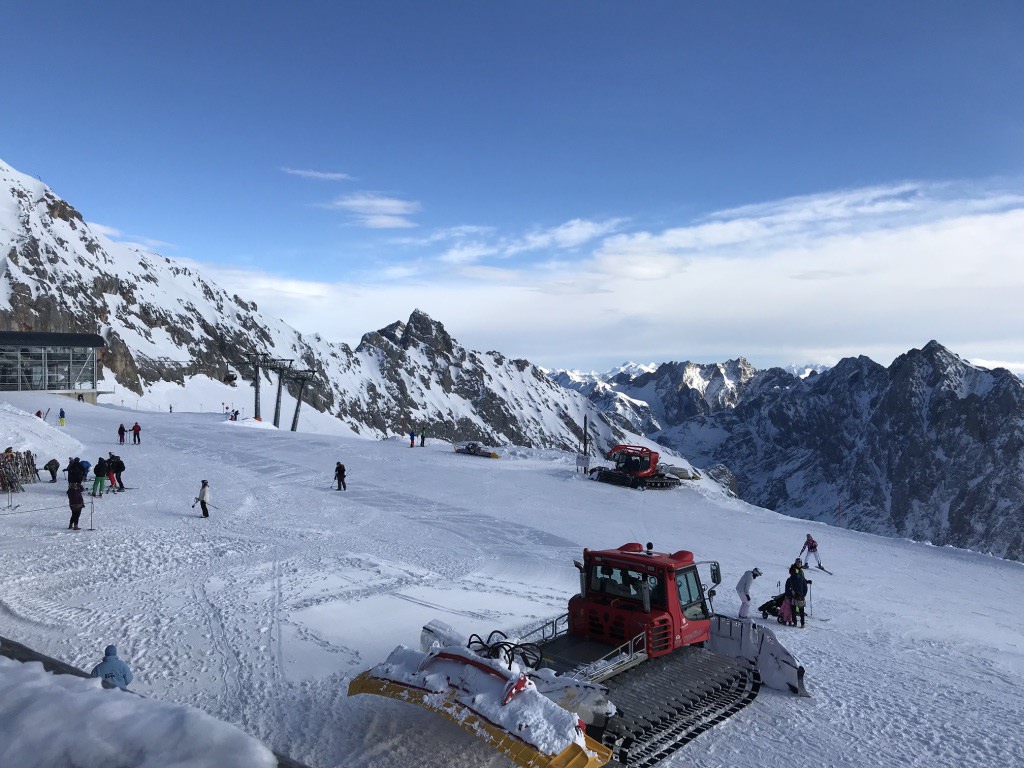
29,339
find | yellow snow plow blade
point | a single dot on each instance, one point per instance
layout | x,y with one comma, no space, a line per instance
521,753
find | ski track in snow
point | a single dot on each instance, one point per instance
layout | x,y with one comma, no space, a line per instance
262,613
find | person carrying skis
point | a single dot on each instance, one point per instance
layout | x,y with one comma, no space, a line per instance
121,432
52,466
339,475
112,671
796,591
100,478
812,549
204,497
136,429
743,590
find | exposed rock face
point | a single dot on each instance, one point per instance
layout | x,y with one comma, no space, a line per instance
930,448
165,322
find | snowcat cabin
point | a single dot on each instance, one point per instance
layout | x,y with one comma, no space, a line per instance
634,460
630,591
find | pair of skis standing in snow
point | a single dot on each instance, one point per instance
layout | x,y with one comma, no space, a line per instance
798,586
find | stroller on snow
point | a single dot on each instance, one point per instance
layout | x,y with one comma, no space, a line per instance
779,606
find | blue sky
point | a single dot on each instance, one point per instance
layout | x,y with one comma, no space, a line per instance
573,182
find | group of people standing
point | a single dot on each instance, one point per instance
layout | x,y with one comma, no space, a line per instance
796,590
135,430
106,469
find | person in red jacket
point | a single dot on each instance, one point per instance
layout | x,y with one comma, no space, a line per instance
135,433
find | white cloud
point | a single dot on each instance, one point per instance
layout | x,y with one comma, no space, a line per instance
806,280
324,175
103,229
378,211
571,234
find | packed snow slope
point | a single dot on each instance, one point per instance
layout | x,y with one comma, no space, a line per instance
261,614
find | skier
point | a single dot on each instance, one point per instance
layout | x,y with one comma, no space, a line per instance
796,591
62,417
121,432
743,590
52,466
412,439
135,433
112,670
204,497
339,475
76,503
812,549
100,476
112,471
423,437
86,466
117,467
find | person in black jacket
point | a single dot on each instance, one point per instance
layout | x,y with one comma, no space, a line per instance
115,464
76,472
77,503
100,478
339,475
796,591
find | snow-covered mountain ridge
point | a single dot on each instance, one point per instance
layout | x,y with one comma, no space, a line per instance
930,447
166,322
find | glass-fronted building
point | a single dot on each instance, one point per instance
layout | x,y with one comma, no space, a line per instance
53,362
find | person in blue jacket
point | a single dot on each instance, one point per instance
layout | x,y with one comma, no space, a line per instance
112,670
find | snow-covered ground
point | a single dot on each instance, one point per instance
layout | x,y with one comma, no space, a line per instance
261,614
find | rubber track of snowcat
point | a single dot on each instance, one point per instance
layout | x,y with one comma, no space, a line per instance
668,701
656,482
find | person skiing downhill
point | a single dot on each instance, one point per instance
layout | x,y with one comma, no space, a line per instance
812,549
112,670
743,590
204,497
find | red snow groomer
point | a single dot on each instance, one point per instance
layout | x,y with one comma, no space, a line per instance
622,678
635,467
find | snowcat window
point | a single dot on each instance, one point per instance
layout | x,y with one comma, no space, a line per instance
691,598
616,582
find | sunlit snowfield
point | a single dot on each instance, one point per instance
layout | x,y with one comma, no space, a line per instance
261,614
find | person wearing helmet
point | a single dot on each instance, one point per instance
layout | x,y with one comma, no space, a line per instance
743,590
811,546
204,497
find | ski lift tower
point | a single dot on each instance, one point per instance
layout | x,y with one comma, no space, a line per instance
301,377
281,367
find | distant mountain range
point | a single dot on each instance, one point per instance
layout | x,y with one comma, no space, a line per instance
930,447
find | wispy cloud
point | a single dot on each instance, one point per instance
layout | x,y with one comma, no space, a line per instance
813,279
377,211
113,233
571,234
306,173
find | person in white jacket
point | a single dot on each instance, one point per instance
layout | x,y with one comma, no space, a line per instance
743,590
204,497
